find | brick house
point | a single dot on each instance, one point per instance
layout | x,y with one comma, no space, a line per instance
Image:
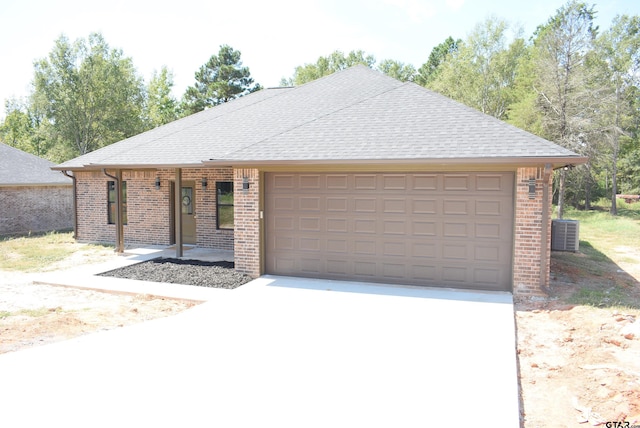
353,176
33,198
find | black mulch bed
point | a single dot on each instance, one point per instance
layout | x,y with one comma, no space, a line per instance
189,272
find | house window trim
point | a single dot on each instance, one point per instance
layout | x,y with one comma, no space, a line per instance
111,188
219,204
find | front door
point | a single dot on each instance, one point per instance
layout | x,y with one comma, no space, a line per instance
188,213
188,207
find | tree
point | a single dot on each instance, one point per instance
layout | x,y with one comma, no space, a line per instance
325,66
618,59
564,99
162,107
24,128
481,72
221,79
398,70
15,130
430,69
90,93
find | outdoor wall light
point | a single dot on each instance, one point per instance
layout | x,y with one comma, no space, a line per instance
245,183
532,188
204,183
157,183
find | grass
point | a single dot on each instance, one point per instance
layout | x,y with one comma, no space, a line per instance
35,252
606,241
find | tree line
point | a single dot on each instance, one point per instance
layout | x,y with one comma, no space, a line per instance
569,82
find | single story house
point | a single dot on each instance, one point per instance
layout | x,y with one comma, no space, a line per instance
354,176
33,198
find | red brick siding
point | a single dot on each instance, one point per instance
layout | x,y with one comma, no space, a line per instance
527,261
148,209
25,209
247,222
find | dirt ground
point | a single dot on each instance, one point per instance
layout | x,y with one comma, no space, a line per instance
34,314
579,365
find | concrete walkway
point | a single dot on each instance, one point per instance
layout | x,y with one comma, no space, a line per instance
282,352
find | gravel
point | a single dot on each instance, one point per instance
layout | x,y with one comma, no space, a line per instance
188,272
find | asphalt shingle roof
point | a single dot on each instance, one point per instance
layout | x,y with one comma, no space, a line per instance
18,168
357,114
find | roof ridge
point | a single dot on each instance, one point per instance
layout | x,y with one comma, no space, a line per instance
299,125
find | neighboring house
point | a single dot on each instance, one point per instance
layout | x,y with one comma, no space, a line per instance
354,176
33,198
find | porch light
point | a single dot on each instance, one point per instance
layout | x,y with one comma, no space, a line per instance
157,183
532,188
204,183
245,183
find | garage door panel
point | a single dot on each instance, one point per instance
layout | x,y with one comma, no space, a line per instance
394,227
436,229
362,247
456,207
365,182
337,204
424,206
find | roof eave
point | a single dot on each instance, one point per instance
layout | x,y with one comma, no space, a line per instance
555,161
99,167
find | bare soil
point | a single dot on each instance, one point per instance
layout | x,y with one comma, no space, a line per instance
579,365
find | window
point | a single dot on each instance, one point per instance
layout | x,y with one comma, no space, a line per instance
224,204
111,202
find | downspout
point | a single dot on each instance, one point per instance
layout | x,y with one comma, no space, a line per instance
544,251
75,204
119,225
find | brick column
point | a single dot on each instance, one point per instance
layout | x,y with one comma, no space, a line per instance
527,263
247,221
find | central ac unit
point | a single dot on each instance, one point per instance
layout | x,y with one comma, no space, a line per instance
564,235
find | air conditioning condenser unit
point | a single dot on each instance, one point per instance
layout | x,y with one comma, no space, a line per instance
564,235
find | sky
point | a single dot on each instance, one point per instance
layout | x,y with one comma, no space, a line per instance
274,36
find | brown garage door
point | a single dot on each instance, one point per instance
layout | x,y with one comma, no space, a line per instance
449,230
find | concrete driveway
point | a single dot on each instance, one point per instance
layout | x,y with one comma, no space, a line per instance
282,352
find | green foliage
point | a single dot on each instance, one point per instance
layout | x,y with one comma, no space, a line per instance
430,69
481,72
326,65
398,70
161,106
90,94
219,80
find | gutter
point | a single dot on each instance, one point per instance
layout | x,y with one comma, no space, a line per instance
558,161
75,204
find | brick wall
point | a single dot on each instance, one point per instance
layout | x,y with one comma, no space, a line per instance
247,222
528,236
25,209
149,210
